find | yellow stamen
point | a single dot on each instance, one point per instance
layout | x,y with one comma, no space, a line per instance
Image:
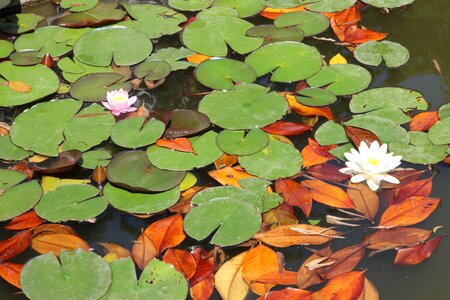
373,161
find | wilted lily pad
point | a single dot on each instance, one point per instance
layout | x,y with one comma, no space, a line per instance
277,160
327,5
309,22
272,34
245,8
233,214
373,53
78,5
289,61
140,203
172,56
17,198
79,275
41,81
94,158
221,74
152,70
6,48
190,5
245,107
242,143
9,151
133,133
103,45
388,3
102,13
217,28
93,87
20,23
342,79
206,152
42,40
315,97
25,58
185,122
78,202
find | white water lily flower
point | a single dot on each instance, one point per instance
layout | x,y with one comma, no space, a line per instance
119,102
371,164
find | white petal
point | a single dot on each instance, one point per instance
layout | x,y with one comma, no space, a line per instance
346,170
358,178
391,179
363,148
350,156
374,147
383,149
373,184
354,166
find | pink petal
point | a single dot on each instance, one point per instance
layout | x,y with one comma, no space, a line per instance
132,100
106,104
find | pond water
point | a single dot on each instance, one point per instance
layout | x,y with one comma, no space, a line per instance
423,29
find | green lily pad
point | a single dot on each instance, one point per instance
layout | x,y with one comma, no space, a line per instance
327,5
25,58
420,150
206,152
20,23
439,133
245,107
221,74
132,133
6,48
289,61
78,202
93,87
339,151
394,114
341,79
140,203
229,212
88,128
245,8
190,5
94,158
242,143
152,70
272,34
78,5
185,122
74,69
159,280
217,28
315,97
70,36
152,20
42,40
372,53
259,187
102,13
309,22
331,133
40,128
9,151
17,198
388,3
102,46
42,81
277,160
444,111
132,170
79,275
281,3
172,56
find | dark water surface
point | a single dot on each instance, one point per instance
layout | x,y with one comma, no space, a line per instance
424,30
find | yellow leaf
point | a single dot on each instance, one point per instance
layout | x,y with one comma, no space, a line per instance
229,280
37,158
110,257
338,59
189,181
50,183
18,86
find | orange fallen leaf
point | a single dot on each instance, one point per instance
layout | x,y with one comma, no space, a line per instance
15,245
11,273
197,58
311,158
369,291
342,20
344,260
417,254
46,243
327,172
203,289
285,278
226,160
366,201
143,251
52,229
166,233
356,35
183,206
19,87
273,13
287,294
283,214
347,286
294,194
24,169
286,128
307,277
424,121
415,188
27,220
321,150
182,260
308,110
179,144
328,194
229,176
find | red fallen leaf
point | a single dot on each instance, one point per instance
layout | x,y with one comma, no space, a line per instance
24,169
179,144
424,121
321,150
19,87
358,135
294,194
285,278
182,260
345,260
25,221
205,265
286,128
203,289
347,286
287,294
311,158
11,273
404,175
143,251
166,233
189,21
415,188
385,239
47,61
328,194
15,245
327,172
301,85
417,254
356,35
409,212
283,214
342,20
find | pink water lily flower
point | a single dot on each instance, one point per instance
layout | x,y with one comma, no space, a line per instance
119,102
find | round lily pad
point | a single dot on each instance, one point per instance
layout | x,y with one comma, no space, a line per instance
245,8
439,133
272,34
102,13
229,212
41,80
20,23
6,48
309,22
242,143
140,203
78,5
372,53
281,3
419,154
152,70
79,275
25,58
102,46
330,133
327,5
277,160
72,70
132,170
42,40
388,3
93,87
185,122
221,74
133,133
173,57
315,97
94,158
341,79
289,61
190,5
444,111
217,28
206,152
246,107
71,202
9,151
17,198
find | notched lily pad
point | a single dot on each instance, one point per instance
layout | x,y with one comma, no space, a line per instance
327,5
74,69
78,5
439,133
272,34
190,5
388,3
103,13
309,22
6,48
152,70
42,40
20,23
173,57
245,8
186,122
9,151
242,143
93,87
94,158
25,58
133,133
315,97
373,53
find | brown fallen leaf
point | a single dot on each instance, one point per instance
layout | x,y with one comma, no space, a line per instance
327,172
345,260
307,277
286,128
206,264
369,291
287,294
46,243
203,289
358,135
366,201
52,229
118,250
415,188
143,251
417,254
283,214
437,66
166,233
183,206
182,260
385,239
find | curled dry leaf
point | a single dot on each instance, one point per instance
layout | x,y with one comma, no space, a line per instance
27,220
24,169
415,188
166,233
178,144
321,150
385,239
118,250
229,280
307,277
417,254
344,260
366,201
342,20
294,194
287,294
11,273
346,286
143,251
283,214
304,110
286,128
424,121
46,243
328,194
15,245
358,135
229,176
182,260
327,172
369,291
